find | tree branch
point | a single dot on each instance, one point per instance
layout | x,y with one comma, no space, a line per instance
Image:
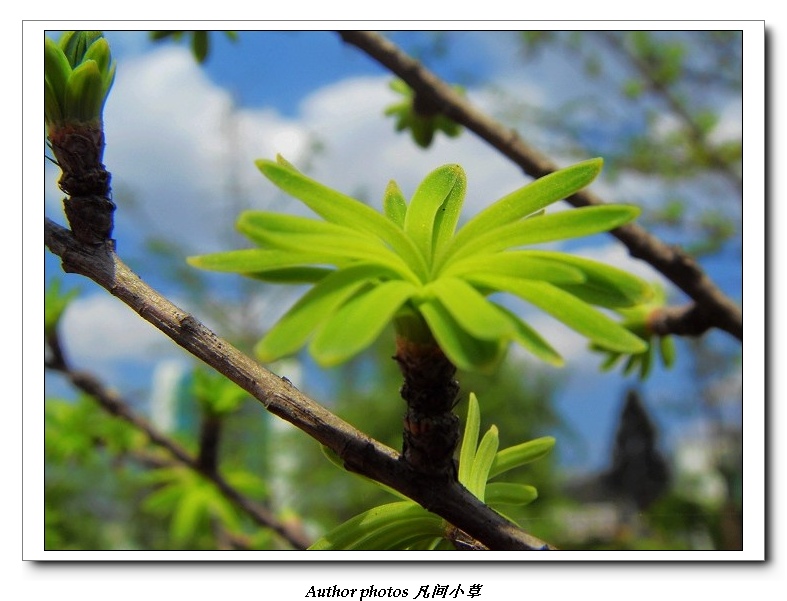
116,406
716,309
359,452
697,137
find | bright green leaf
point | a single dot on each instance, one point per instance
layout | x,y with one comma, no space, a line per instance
469,439
394,204
484,457
523,264
474,313
531,198
343,210
531,340
603,285
573,312
510,493
293,330
359,322
427,201
518,455
464,350
573,223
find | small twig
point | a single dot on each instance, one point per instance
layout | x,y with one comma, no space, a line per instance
360,453
116,406
678,108
719,310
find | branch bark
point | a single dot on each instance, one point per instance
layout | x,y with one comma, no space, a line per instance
359,452
713,307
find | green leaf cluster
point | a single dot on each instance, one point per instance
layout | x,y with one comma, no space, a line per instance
405,525
78,74
636,320
192,502
55,304
74,430
216,394
410,266
422,121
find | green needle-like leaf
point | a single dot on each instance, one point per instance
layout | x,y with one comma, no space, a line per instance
357,528
484,457
394,204
531,340
469,439
516,456
510,493
573,312
603,285
293,330
531,198
429,198
407,529
359,321
258,225
99,51
255,261
573,223
57,69
474,313
523,264
464,350
343,210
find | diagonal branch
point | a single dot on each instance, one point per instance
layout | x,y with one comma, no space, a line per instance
113,404
713,307
360,453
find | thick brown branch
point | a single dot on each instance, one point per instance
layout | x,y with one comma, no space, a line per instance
115,405
671,261
359,452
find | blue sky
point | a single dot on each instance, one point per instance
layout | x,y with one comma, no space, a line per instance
181,141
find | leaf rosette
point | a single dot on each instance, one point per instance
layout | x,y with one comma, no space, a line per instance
409,265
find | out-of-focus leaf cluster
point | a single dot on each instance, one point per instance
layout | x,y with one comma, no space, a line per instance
423,121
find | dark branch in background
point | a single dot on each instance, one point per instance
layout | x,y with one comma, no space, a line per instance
712,307
360,453
209,436
116,406
697,136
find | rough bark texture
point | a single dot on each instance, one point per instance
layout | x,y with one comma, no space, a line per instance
431,429
79,151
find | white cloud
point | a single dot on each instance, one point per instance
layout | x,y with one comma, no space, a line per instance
99,331
183,154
